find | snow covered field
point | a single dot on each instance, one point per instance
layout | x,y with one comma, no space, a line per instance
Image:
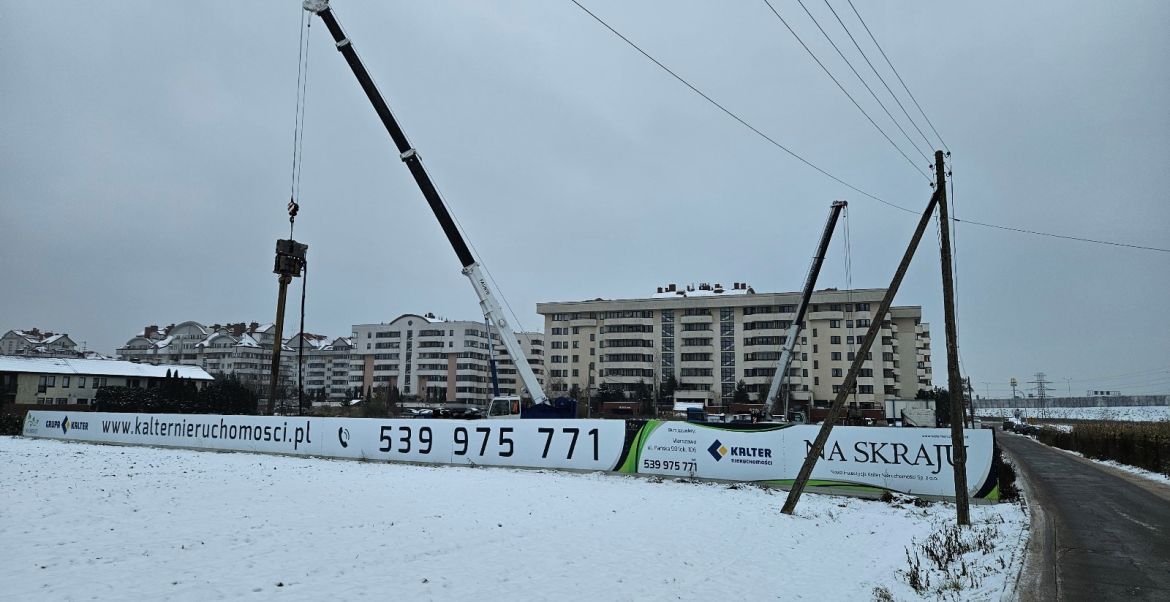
81,521
1122,413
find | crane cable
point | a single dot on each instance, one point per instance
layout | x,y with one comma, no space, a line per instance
295,187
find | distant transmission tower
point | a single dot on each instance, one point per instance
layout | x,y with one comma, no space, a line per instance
1041,383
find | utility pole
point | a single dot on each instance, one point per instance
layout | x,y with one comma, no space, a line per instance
818,446
290,260
954,382
1014,384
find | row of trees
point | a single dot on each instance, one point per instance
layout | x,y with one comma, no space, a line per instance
174,395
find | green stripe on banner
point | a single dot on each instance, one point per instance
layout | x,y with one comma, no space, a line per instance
634,458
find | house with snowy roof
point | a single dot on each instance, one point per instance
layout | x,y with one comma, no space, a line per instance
34,342
75,381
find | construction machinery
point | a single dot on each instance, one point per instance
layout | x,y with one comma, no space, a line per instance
507,407
790,340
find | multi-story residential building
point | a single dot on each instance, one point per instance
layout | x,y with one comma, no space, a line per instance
243,350
438,360
71,381
325,366
709,338
36,343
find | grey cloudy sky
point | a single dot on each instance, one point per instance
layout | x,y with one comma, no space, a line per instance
146,148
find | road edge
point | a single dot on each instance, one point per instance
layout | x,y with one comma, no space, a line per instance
1036,580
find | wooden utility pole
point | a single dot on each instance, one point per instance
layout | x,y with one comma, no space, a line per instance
954,381
818,446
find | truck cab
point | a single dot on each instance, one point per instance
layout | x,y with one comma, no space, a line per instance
505,406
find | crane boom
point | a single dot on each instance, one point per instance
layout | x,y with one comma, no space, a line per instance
810,283
409,155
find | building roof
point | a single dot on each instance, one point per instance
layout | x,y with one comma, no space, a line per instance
57,365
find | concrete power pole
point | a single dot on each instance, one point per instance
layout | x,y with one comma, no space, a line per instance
954,381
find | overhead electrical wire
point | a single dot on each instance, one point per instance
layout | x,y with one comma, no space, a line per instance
825,172
913,122
899,76
842,88
849,64
736,117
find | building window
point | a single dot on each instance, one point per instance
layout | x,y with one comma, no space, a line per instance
835,356
834,323
837,373
835,340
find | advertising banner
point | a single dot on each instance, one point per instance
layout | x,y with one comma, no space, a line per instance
907,460
571,444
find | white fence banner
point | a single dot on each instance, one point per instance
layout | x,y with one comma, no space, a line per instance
857,459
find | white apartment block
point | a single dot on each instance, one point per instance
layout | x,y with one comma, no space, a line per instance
325,365
438,360
239,349
709,338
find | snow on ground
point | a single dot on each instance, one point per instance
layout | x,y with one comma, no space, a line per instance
1122,413
81,521
1134,470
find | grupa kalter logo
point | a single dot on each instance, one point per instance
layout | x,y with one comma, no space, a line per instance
717,450
67,425
741,454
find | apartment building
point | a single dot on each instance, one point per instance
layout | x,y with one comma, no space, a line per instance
34,342
708,338
439,360
325,365
244,350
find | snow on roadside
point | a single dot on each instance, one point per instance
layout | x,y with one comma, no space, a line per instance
1134,470
1119,413
111,522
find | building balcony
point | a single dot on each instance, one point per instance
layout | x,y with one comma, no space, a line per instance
625,364
628,321
826,315
696,319
765,332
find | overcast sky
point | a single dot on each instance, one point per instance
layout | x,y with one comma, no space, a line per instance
145,155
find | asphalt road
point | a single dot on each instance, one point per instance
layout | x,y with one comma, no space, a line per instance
1098,533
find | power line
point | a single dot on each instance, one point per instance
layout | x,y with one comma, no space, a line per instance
843,90
904,86
849,64
1066,237
737,117
826,173
878,74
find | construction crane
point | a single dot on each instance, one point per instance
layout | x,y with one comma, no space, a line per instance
409,155
810,283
